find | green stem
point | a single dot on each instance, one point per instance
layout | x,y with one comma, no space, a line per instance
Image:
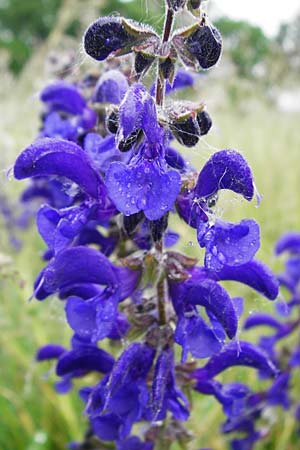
160,85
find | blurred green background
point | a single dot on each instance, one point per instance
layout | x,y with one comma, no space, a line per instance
253,97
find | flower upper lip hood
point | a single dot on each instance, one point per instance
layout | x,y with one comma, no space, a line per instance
63,96
49,156
145,184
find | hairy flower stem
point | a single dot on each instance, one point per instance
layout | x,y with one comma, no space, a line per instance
161,287
160,85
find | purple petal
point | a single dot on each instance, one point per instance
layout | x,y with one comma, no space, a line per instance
163,367
214,298
62,158
237,354
104,151
64,385
49,351
131,110
111,87
57,127
262,319
63,96
81,316
174,159
127,281
195,336
229,244
74,266
254,273
59,227
134,443
87,120
86,358
107,427
133,364
144,186
288,242
278,393
183,79
226,169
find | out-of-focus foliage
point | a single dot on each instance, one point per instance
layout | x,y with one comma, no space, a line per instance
23,24
247,44
141,10
288,39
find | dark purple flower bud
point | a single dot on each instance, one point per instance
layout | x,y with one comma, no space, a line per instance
158,227
174,159
183,122
186,131
199,46
167,68
204,122
226,169
112,121
131,222
205,44
114,35
126,144
142,63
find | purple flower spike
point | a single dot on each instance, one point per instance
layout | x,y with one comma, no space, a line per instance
237,354
144,186
229,244
63,96
226,169
62,158
111,87
288,242
254,273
